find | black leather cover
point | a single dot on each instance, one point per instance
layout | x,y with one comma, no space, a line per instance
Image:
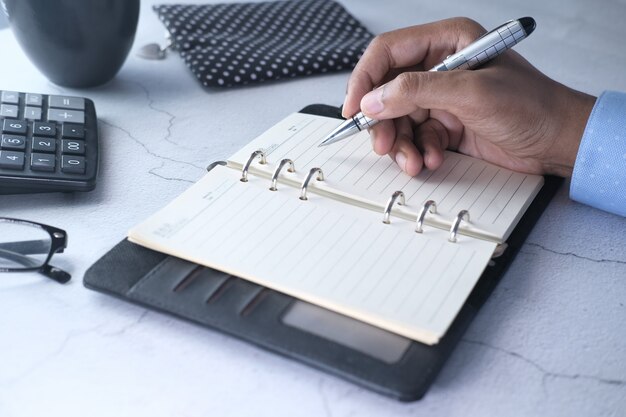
253,313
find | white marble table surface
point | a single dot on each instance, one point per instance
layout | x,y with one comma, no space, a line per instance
550,341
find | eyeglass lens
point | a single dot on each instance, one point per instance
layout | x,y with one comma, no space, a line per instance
23,246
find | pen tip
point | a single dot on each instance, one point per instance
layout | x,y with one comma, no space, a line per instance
529,24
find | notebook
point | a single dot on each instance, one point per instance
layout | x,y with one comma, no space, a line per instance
333,248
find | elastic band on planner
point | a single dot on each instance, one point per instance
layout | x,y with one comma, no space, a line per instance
462,216
280,166
390,202
305,183
431,206
253,156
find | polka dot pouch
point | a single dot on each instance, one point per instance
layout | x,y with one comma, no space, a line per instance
234,44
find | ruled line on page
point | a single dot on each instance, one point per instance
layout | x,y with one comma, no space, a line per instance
468,188
385,275
295,135
495,195
509,200
393,288
434,283
443,300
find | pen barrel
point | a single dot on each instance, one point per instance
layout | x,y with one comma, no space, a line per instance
484,48
364,122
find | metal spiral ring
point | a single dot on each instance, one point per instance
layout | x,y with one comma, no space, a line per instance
462,216
305,183
431,206
253,156
280,166
396,195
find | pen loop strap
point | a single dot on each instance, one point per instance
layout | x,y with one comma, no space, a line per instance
395,196
253,155
280,166
462,216
431,206
305,183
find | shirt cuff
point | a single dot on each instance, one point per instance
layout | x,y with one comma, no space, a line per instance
599,177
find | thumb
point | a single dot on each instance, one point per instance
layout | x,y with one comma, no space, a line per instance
412,91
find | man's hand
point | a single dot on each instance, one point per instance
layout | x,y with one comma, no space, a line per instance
506,112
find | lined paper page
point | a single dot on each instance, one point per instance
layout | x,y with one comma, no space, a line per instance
323,251
495,197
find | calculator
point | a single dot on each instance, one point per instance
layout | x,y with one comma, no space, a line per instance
49,143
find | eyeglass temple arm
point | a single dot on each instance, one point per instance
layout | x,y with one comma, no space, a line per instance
28,246
48,270
55,273
19,258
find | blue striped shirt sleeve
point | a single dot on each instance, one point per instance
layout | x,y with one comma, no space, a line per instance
599,177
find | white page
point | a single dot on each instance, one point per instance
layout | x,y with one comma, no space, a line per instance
323,251
495,197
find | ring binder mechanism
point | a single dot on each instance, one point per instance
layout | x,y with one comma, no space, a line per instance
463,215
431,206
392,199
305,183
279,168
253,156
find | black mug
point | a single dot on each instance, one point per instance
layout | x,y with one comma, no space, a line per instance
75,43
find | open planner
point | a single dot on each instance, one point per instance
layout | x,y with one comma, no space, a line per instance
336,226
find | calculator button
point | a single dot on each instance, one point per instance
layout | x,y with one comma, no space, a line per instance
32,113
73,131
11,160
73,164
8,110
35,100
58,115
10,97
44,145
17,127
63,102
16,143
42,162
44,129
74,147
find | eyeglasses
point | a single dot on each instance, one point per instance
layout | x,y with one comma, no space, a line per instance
29,246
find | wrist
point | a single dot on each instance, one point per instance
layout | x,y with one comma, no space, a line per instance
574,108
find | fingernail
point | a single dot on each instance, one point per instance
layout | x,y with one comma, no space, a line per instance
401,160
372,103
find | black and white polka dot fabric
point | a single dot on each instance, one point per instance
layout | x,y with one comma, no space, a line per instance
243,43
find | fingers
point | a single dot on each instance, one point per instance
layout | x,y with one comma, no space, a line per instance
412,149
424,45
431,138
413,91
383,136
395,138
404,152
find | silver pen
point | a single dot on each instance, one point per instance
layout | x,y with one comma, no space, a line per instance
483,49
